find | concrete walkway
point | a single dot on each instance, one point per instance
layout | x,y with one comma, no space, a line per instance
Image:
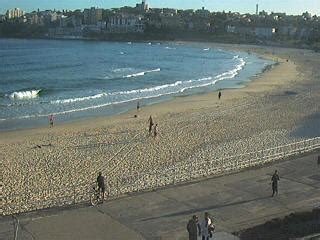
236,202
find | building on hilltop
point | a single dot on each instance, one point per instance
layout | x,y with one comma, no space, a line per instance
143,6
92,16
265,32
125,24
2,18
34,19
14,13
203,12
169,11
70,22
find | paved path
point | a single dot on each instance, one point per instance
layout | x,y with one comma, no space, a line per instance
236,201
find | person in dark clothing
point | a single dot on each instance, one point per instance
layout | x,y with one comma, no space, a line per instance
219,95
275,178
51,120
155,130
101,186
193,227
206,227
150,124
138,106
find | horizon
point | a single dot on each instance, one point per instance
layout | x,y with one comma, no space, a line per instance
290,7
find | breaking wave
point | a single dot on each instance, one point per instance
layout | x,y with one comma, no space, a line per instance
141,73
157,91
21,95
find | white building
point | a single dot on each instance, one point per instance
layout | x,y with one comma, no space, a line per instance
125,24
14,13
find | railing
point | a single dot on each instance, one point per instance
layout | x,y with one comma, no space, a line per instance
180,172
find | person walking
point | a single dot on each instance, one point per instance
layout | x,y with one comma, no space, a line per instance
150,124
206,227
193,227
155,130
138,106
275,178
219,95
101,186
51,119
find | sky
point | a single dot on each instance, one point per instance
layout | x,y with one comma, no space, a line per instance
243,6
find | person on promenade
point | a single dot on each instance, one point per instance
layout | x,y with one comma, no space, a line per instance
193,227
206,227
101,186
219,95
155,130
275,178
150,124
51,119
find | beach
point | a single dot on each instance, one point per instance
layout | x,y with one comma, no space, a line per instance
278,107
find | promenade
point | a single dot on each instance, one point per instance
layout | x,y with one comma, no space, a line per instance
235,201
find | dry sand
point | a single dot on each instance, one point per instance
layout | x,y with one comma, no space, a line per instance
280,106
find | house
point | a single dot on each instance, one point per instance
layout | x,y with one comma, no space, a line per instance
125,23
242,30
142,7
69,22
92,16
2,18
288,31
264,32
203,12
14,13
169,12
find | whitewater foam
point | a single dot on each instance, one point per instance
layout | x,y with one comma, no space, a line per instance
23,95
142,73
121,69
212,80
202,82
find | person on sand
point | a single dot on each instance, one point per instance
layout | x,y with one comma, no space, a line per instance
193,227
206,227
155,130
138,106
219,95
51,119
275,178
150,124
101,186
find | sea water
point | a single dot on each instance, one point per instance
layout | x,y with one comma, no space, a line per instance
80,79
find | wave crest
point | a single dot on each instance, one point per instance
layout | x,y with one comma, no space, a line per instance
141,73
184,85
20,95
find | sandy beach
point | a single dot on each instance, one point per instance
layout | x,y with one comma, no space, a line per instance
280,106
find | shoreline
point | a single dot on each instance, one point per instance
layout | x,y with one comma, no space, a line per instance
227,47
280,107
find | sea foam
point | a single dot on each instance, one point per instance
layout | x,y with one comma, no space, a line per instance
141,73
161,90
20,95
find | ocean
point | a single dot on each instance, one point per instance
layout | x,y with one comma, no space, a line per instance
81,79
